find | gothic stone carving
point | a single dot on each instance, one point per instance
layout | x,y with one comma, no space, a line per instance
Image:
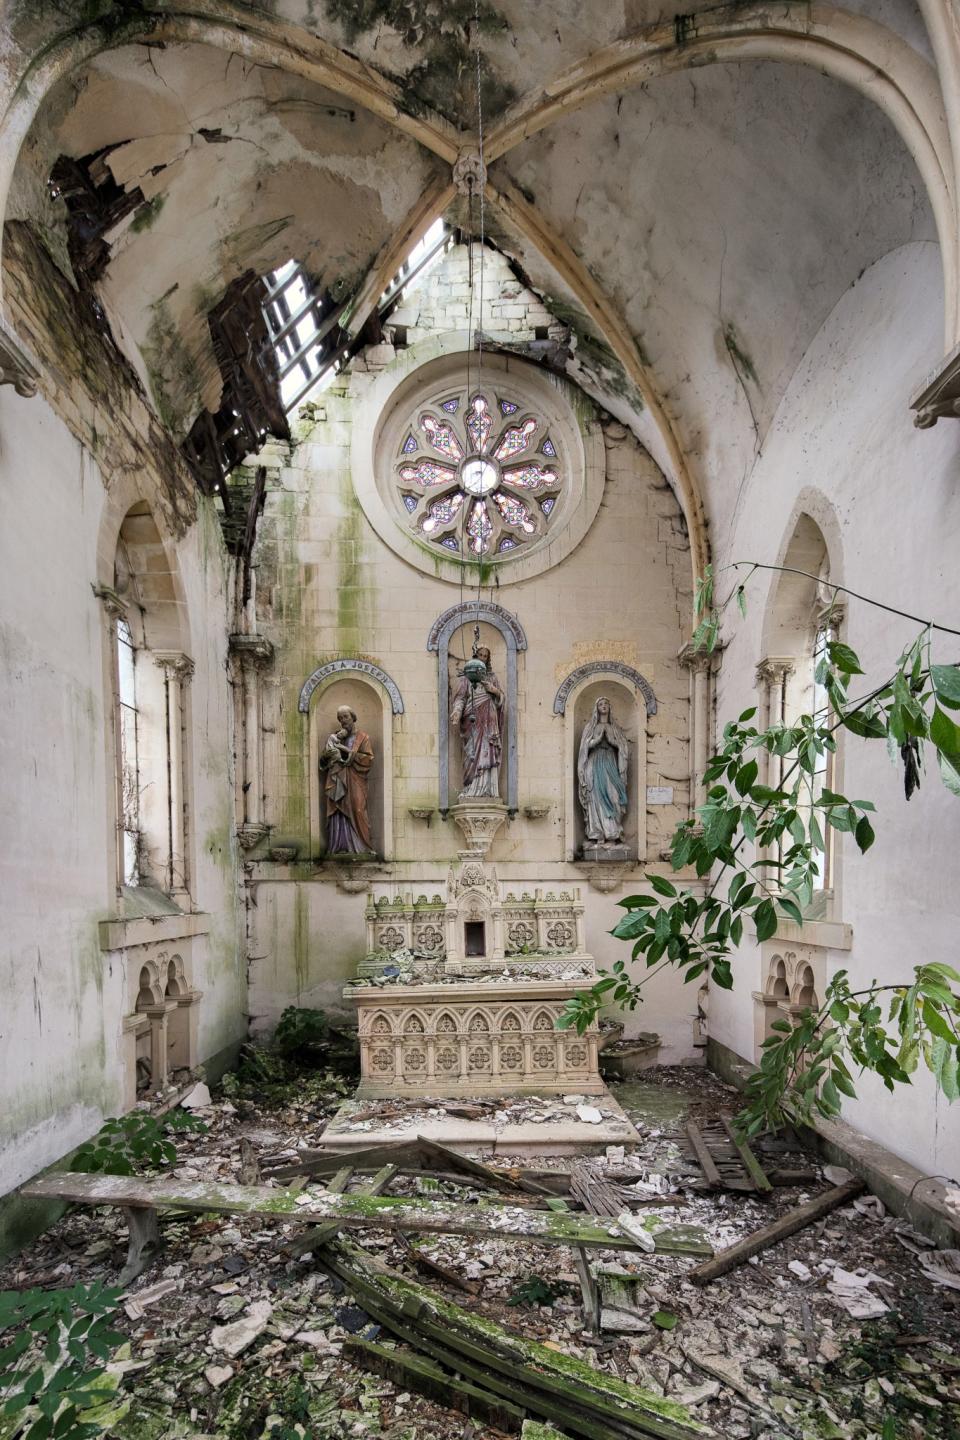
438,1039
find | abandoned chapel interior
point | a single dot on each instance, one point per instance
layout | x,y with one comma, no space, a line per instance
480,717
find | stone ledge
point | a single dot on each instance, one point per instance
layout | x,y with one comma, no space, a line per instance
826,934
117,934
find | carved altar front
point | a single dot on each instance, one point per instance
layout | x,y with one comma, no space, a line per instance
459,993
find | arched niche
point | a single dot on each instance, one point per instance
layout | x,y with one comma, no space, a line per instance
451,637
632,701
460,649
630,713
373,706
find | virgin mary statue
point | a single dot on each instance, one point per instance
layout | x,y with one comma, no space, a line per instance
602,775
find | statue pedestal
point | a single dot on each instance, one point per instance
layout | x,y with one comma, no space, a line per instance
608,854
479,820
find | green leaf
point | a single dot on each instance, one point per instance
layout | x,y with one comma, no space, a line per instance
830,1097
949,771
864,724
662,886
946,682
935,1022
746,776
791,908
944,733
765,919
843,658
863,834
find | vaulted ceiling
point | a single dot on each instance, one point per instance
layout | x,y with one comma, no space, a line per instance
695,216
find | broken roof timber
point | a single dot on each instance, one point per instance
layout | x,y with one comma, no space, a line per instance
381,1212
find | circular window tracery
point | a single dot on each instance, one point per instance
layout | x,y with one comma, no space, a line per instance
477,475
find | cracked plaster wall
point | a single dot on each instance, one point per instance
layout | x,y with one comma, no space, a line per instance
726,210
843,449
241,167
83,451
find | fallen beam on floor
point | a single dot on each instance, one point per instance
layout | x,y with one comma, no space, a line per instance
547,1383
415,1372
356,1212
772,1234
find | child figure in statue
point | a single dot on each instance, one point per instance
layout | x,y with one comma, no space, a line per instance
345,762
602,776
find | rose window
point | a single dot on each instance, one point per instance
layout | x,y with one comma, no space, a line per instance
478,475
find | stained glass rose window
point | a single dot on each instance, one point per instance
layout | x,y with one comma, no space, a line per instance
478,474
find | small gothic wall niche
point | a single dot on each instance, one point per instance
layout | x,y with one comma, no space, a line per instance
371,705
461,649
623,719
451,639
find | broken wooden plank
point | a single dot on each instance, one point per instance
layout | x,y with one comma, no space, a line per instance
453,1160
415,1372
752,1165
555,1386
704,1158
762,1239
433,1267
319,1234
365,1212
589,1290
594,1194
320,1162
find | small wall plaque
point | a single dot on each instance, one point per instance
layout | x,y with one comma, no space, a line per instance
659,794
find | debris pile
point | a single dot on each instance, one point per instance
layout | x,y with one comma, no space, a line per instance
409,1291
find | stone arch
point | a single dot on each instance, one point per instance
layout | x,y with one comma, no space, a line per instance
381,1023
804,991
446,1024
777,986
149,989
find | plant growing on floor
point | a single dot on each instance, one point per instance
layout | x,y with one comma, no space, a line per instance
535,1291
310,1037
759,849
136,1142
52,1347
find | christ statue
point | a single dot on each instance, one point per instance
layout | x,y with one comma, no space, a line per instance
479,713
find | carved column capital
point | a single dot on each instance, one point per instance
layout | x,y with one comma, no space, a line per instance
774,669
114,604
692,658
175,665
17,367
252,651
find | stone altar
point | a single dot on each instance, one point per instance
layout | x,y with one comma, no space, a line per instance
459,993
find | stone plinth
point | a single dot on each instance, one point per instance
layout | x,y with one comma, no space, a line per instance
471,1038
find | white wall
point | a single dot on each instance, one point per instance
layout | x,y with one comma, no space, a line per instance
62,998
887,497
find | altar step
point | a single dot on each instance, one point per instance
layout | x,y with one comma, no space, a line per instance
519,1125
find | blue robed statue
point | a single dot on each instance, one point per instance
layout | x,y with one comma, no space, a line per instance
602,776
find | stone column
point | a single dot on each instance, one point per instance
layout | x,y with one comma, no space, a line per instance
177,673
700,664
251,654
772,676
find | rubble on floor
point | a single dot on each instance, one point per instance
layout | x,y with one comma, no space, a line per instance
242,1332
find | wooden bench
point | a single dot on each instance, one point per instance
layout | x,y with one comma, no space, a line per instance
141,1199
